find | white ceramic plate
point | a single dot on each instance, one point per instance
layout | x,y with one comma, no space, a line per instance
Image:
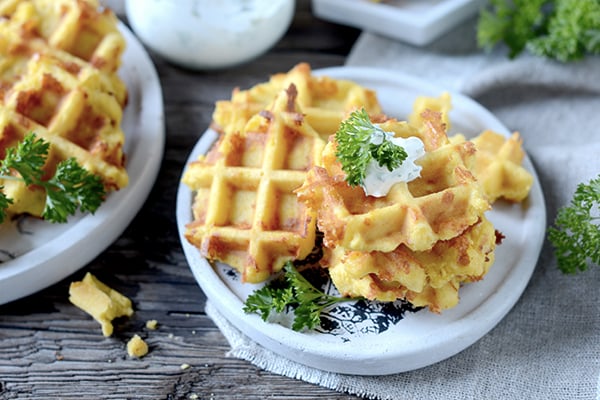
384,339
414,21
36,254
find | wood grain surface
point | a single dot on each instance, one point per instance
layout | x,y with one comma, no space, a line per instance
50,349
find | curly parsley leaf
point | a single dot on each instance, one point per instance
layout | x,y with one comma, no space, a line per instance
5,202
359,141
27,158
267,299
513,22
71,187
296,292
573,31
565,30
576,231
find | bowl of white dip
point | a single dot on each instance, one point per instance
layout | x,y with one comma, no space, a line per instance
209,34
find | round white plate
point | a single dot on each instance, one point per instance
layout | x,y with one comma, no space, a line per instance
383,338
35,254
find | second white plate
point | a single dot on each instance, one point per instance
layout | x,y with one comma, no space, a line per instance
366,339
35,254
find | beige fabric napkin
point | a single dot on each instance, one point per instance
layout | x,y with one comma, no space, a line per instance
548,346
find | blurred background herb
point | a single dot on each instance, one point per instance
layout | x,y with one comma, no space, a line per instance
565,30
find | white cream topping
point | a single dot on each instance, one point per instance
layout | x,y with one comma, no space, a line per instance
379,180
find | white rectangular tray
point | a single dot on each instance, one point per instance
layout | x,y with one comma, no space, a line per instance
417,22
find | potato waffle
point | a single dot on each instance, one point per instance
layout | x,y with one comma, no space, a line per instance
246,213
324,101
423,105
79,27
429,278
439,205
420,241
75,104
498,166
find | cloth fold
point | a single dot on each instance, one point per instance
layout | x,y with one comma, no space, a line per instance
548,346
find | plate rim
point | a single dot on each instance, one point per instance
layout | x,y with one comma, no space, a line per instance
282,340
46,265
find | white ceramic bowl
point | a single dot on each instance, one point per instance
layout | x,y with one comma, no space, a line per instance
209,34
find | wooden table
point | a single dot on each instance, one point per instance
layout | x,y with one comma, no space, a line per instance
51,349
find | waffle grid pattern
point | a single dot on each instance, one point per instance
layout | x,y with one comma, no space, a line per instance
245,209
64,99
324,101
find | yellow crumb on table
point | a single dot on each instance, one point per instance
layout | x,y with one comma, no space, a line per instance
152,324
100,301
137,347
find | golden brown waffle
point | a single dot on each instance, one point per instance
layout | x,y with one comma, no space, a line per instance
64,99
424,278
426,104
439,205
324,101
497,163
79,27
498,166
246,213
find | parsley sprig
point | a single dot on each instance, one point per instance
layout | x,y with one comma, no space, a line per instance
359,141
294,291
565,30
71,187
576,231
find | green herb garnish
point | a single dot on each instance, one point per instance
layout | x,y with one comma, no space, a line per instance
72,187
355,147
576,234
294,291
565,30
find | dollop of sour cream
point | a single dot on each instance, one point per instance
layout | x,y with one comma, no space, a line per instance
379,180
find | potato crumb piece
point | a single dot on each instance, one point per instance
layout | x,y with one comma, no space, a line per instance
184,366
101,302
136,347
152,324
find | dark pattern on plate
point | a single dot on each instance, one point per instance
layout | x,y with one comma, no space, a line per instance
358,317
364,317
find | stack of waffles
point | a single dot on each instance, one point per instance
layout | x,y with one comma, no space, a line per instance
427,237
272,180
421,240
58,79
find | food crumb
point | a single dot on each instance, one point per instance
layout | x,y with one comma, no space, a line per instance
193,396
152,324
100,301
136,347
184,366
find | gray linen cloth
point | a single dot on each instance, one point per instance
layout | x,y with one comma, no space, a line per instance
548,346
